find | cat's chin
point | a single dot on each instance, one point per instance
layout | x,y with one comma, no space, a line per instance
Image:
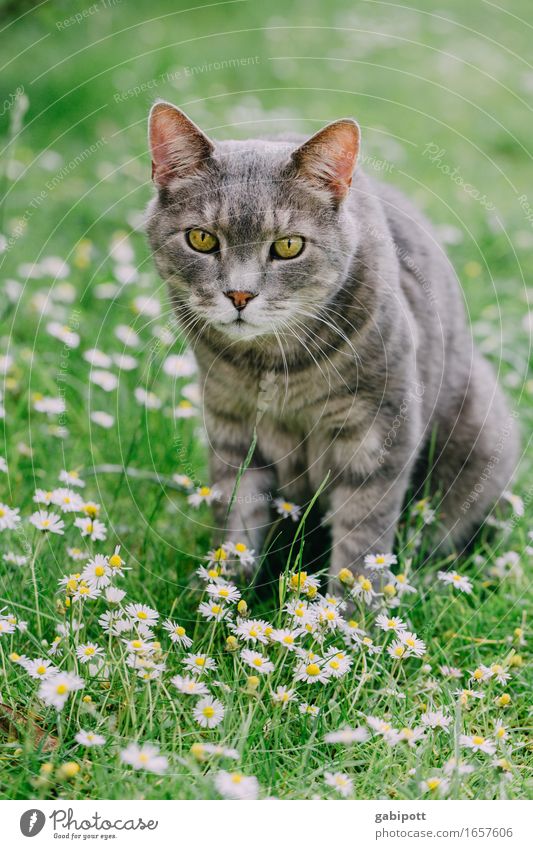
239,329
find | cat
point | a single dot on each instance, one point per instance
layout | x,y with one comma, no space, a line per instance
326,318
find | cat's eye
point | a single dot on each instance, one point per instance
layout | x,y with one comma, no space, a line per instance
287,247
202,240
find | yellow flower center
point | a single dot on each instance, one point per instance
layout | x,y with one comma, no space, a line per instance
219,554
286,505
200,661
353,623
410,642
399,651
213,573
236,778
180,631
45,523
258,661
433,783
241,547
115,561
456,578
61,689
288,639
143,758
478,741
478,674
205,490
41,670
366,585
136,644
330,615
2,512
313,670
223,593
99,571
142,615
89,651
208,711
216,609
335,664
391,623
500,732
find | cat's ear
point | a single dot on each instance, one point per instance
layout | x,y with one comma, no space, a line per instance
179,148
328,159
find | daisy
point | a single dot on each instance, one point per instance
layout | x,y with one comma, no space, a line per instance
451,672
477,743
328,616
500,731
92,528
390,623
127,336
340,782
213,611
346,736
88,651
97,572
43,496
147,399
114,595
312,673
199,663
435,719
366,643
381,726
515,501
103,419
234,785
401,584
208,712
481,673
89,738
49,406
435,784
40,668
138,646
67,500
499,672
363,590
180,365
224,591
177,633
47,522
380,562
414,644
142,613
71,478
308,710
183,480
245,555
338,665
301,612
6,627
257,661
301,582
112,623
283,696
54,691
15,559
189,686
144,757
285,637
97,358
412,736
398,650
452,765
252,630
85,592
203,495
459,582
287,509
77,553
184,410
116,563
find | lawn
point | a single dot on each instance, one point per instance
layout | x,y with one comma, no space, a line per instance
97,384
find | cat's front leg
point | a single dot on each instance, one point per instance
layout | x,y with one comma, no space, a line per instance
364,513
245,517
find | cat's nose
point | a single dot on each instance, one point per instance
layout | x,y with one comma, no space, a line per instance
239,299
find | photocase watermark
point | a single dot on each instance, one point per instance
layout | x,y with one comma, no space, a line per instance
10,100
51,184
183,73
526,208
415,394
88,12
436,155
493,461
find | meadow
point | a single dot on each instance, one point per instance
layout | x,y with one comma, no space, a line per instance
135,662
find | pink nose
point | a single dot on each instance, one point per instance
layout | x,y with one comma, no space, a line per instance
239,299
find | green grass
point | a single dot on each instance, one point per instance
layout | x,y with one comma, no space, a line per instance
448,74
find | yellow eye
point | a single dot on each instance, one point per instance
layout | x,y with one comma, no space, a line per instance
287,248
202,240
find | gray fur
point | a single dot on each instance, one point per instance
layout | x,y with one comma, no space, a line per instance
349,358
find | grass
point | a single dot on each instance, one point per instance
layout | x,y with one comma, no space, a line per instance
441,97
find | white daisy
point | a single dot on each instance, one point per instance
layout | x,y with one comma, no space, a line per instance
47,522
144,757
208,712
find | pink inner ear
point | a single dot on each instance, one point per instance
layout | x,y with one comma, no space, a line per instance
329,157
178,147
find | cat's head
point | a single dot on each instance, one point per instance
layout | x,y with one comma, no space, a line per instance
255,235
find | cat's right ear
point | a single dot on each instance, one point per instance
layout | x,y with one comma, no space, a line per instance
179,148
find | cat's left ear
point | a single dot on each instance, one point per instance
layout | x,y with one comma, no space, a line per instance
328,159
179,148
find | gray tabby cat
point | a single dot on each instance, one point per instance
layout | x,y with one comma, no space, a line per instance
323,312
